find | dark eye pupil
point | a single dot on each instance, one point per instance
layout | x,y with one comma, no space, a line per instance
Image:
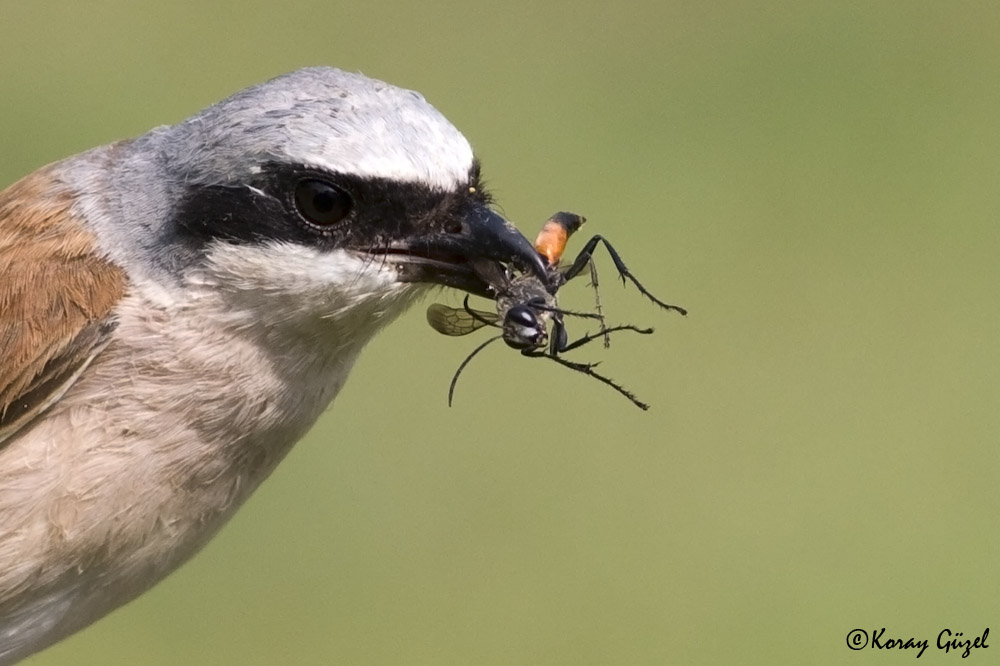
320,202
324,202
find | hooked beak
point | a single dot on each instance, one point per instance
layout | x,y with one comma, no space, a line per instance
471,258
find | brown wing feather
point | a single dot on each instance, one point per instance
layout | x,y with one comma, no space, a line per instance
56,296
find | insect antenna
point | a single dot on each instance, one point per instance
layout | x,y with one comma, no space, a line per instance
569,313
454,380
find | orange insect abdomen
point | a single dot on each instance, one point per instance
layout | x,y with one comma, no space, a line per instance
551,240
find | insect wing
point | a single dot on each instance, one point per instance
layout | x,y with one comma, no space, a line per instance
455,321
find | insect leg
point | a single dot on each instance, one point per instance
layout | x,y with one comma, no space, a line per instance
559,334
475,315
623,272
588,369
603,333
597,303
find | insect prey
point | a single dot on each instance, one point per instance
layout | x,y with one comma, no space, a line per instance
526,306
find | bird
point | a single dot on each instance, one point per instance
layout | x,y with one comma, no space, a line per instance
177,310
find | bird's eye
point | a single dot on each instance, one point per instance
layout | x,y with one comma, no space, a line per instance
321,203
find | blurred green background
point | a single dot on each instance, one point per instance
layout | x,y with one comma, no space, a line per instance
815,181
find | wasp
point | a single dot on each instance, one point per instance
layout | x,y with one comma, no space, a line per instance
527,304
